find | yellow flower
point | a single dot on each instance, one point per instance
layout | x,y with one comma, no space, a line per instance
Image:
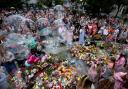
68,77
78,78
46,77
35,86
54,81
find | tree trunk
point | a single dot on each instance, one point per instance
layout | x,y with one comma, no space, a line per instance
118,9
122,10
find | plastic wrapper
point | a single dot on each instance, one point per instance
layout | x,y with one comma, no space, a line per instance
51,11
59,8
28,23
20,51
45,32
14,20
30,42
81,67
3,33
13,39
60,15
18,21
59,22
18,39
42,23
20,44
52,45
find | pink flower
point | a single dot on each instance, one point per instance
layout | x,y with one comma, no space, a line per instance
118,80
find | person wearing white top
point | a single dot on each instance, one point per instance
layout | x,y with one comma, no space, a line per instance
82,37
105,31
101,30
62,33
116,32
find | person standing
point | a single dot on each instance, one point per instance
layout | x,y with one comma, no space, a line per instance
69,38
82,36
105,33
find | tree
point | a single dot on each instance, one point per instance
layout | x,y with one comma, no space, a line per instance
11,3
97,6
120,4
59,2
49,3
41,3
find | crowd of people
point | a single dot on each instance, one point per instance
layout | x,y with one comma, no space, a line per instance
70,28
